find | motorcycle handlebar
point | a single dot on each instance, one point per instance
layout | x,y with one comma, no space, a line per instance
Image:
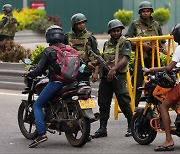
174,70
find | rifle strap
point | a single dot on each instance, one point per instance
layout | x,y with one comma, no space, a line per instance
120,42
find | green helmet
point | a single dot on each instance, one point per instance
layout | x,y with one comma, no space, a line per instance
76,18
145,5
114,24
7,8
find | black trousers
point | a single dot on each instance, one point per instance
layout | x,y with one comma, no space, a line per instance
105,95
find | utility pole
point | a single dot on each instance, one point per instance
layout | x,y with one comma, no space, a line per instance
25,3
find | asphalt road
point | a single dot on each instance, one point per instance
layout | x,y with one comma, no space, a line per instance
12,141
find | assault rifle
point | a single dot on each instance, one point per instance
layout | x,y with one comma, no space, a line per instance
102,62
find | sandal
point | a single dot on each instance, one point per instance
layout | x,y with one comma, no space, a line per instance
165,148
38,140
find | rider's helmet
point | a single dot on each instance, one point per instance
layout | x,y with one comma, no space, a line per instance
77,18
166,79
7,8
145,5
54,34
176,33
114,24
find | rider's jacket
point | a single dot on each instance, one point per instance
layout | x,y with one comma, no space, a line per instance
47,61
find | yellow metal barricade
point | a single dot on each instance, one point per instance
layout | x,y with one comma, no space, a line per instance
139,49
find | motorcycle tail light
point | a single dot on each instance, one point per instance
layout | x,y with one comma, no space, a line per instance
178,110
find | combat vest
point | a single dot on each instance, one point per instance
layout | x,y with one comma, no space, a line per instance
110,52
146,30
10,27
81,44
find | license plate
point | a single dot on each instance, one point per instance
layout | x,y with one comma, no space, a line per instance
86,104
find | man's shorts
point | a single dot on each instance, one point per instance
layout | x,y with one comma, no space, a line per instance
173,96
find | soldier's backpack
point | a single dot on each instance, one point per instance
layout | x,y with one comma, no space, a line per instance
68,59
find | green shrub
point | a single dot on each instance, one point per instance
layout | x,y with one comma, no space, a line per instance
131,62
36,54
163,59
124,16
34,19
12,52
40,24
161,15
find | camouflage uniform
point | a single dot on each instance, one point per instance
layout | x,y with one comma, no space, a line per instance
8,27
83,43
117,86
141,27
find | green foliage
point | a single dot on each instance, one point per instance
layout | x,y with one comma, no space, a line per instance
163,58
12,52
161,15
36,54
124,16
131,62
34,19
40,13
40,24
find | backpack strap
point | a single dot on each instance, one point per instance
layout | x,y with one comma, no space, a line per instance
57,48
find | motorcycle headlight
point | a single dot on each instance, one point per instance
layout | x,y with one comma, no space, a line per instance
85,90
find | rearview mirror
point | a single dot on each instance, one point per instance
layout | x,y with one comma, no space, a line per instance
27,61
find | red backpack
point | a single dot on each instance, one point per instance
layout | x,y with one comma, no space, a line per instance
68,60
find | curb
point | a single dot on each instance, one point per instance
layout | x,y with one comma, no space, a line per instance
11,76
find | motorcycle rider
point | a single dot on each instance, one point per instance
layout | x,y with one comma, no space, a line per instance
173,95
54,36
83,41
116,52
8,24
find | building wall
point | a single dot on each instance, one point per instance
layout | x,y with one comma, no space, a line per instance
98,12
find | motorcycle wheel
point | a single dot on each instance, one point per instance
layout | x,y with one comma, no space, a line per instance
26,121
142,134
79,137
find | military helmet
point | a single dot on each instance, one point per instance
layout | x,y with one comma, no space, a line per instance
7,7
176,33
53,34
114,24
145,5
77,18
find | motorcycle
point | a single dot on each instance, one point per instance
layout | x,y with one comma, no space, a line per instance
69,111
147,122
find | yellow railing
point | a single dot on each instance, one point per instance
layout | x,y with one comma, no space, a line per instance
139,49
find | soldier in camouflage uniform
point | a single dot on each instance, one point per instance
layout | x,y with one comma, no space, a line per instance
116,52
8,24
83,41
145,26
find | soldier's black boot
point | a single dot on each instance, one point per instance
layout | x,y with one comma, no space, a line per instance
102,131
128,133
